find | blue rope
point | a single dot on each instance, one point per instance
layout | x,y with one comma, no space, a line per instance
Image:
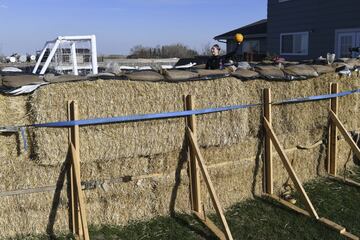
177,114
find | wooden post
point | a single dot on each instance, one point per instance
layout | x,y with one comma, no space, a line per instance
210,187
194,169
269,186
81,204
334,88
77,203
74,140
290,170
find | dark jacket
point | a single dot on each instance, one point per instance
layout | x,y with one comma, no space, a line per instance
218,62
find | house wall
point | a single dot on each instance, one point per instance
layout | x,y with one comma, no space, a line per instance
319,17
231,45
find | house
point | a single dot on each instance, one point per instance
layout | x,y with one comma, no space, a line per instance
307,29
255,35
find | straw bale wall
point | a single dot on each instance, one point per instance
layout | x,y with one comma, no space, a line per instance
140,167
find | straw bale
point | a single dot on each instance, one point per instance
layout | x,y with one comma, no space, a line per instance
177,75
301,70
321,69
245,74
145,76
132,139
207,72
151,154
270,72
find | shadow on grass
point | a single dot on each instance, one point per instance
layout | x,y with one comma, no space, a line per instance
253,219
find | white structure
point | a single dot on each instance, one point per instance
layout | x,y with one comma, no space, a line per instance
69,41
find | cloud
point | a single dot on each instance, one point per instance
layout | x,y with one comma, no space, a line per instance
3,6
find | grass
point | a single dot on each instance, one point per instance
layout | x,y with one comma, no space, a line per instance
253,219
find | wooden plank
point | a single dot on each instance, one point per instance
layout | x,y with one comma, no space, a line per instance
287,204
344,180
350,236
209,184
332,225
346,134
194,168
76,163
290,170
269,185
334,88
188,147
73,199
213,228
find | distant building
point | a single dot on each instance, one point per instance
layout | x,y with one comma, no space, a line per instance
305,29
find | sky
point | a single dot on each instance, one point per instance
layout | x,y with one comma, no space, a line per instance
25,25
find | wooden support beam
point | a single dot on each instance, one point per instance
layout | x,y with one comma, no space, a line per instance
334,102
269,185
208,223
194,168
80,229
82,206
287,204
344,180
209,184
330,224
73,114
346,134
290,170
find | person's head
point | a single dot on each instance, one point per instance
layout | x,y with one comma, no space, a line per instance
215,50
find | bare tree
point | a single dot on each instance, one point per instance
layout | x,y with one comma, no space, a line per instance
167,51
206,49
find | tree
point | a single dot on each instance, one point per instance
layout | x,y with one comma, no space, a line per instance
206,49
167,51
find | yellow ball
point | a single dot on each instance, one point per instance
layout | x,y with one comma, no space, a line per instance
239,37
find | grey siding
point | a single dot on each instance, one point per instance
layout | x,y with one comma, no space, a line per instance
318,17
231,44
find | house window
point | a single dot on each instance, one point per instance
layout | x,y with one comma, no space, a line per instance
346,39
294,43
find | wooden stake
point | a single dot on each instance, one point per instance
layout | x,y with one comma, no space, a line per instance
213,196
74,139
290,170
213,228
334,88
82,207
269,185
80,229
346,134
194,169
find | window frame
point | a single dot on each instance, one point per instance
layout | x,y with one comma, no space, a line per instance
295,33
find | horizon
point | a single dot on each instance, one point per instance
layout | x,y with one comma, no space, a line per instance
121,25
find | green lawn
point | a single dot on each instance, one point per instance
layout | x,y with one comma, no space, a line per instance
255,219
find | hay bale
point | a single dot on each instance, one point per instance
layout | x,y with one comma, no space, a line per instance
322,69
151,153
270,72
301,71
52,78
208,72
178,75
18,80
149,76
245,74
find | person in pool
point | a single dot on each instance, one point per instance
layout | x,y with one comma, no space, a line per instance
216,61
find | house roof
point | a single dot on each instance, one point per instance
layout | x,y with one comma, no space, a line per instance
253,30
